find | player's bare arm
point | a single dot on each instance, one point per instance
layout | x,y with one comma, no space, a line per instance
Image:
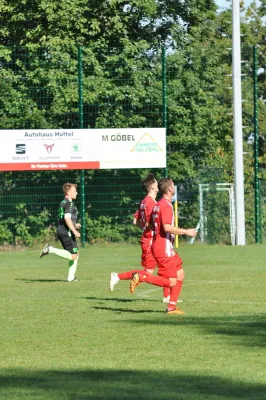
138,223
150,226
71,227
78,226
179,231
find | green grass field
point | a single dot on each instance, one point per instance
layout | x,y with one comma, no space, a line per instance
78,341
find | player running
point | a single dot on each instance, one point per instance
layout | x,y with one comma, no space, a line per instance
170,269
141,219
67,231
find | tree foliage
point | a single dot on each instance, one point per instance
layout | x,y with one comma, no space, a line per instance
122,76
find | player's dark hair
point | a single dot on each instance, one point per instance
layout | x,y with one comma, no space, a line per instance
164,184
67,186
147,182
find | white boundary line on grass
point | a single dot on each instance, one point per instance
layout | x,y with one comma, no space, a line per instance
147,292
199,282
145,295
225,301
192,282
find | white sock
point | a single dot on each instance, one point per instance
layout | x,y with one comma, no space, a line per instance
71,270
75,265
60,252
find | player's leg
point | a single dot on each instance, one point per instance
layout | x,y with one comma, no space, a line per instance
153,280
116,277
150,264
54,250
175,291
147,261
180,275
72,267
127,275
69,251
72,247
63,237
166,295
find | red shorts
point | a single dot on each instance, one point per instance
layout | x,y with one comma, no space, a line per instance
147,259
167,266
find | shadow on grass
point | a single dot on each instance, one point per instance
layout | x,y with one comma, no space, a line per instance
41,280
124,384
126,310
247,329
121,300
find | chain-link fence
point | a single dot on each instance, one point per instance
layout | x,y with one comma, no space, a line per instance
187,91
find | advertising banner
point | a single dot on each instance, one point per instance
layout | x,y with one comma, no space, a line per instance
59,149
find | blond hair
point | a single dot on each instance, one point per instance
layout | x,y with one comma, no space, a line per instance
67,186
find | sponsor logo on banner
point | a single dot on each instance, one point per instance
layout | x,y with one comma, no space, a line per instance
118,137
76,148
49,147
20,148
146,144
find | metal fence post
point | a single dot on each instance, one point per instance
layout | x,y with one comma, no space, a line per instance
256,143
260,213
81,126
164,86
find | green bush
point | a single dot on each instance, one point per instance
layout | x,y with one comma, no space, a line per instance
24,229
106,229
6,236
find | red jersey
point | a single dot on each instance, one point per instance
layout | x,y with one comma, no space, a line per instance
144,215
162,245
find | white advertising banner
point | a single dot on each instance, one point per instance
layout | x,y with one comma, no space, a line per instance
45,149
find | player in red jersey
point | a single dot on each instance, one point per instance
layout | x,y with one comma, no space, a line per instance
170,269
141,219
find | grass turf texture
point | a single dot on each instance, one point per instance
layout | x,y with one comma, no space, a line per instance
78,341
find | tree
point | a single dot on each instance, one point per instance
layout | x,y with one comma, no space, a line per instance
122,76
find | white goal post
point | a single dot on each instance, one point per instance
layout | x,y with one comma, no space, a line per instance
219,187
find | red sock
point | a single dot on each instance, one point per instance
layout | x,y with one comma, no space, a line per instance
128,275
175,292
166,292
154,280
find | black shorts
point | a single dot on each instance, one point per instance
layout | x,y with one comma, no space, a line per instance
67,239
